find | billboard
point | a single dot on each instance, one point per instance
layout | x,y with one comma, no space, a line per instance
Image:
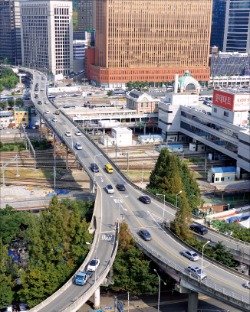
234,102
241,102
223,99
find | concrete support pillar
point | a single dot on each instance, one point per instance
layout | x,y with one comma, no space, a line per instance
238,169
91,186
97,298
192,301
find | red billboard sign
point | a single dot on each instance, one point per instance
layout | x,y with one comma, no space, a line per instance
223,99
234,102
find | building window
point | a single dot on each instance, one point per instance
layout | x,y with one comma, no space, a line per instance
222,179
215,110
226,114
217,179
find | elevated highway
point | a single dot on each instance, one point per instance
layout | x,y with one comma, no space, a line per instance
221,283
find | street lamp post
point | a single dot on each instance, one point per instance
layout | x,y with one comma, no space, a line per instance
163,203
202,250
176,198
159,290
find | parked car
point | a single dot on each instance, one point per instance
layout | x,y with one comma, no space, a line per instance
93,265
145,234
68,133
196,272
145,199
109,189
120,187
39,102
94,167
191,255
247,284
78,146
54,119
198,228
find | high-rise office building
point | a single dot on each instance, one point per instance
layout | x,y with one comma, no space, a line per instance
10,35
237,26
47,35
218,23
86,15
150,40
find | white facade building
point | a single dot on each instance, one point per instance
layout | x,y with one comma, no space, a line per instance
47,35
120,136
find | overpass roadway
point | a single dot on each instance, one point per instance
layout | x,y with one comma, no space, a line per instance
220,284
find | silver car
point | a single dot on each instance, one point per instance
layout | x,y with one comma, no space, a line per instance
191,255
196,272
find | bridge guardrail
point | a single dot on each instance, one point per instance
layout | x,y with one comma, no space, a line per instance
205,286
101,277
231,270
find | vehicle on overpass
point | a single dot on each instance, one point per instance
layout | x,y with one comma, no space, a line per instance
81,278
93,265
196,272
191,255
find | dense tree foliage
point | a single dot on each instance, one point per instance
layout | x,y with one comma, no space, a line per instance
138,85
132,271
169,177
8,78
233,229
55,243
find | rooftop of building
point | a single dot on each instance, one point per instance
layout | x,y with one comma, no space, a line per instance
236,90
223,169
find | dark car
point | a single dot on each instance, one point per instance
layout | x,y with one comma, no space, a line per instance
198,228
145,199
120,187
145,235
94,167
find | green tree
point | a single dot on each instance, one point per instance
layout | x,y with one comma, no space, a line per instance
19,102
110,93
132,270
11,103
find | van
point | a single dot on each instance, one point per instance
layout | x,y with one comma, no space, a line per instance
109,168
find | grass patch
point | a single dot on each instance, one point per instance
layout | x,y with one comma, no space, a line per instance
11,147
135,175
26,173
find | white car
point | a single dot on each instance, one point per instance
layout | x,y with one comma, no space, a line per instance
78,146
109,189
54,119
47,112
191,255
68,133
78,133
247,284
196,272
93,265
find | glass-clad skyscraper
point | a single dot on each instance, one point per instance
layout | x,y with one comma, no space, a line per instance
218,23
237,26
